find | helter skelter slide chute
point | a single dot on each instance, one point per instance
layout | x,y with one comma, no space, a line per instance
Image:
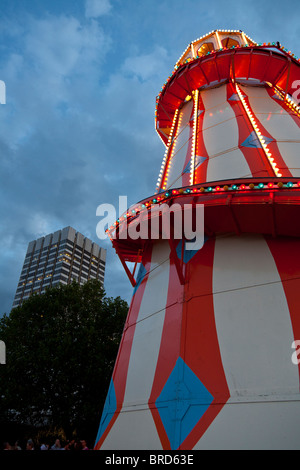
205,361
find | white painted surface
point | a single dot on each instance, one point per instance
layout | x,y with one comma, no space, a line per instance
252,318
135,429
279,124
255,335
221,137
254,426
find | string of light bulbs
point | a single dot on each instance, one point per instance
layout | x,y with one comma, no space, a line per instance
258,133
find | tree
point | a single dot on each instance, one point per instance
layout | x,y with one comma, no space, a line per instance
60,350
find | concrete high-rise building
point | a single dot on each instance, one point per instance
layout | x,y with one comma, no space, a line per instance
59,258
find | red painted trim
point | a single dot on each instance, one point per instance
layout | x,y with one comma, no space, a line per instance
186,176
272,146
201,170
283,104
274,211
169,347
216,68
255,157
286,254
199,341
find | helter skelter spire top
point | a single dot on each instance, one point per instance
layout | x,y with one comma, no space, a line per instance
184,108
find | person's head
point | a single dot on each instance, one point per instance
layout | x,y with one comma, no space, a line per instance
57,443
29,445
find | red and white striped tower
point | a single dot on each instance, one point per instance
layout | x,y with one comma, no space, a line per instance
205,360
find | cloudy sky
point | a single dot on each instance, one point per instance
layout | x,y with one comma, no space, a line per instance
77,129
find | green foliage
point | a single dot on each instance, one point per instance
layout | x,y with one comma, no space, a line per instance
60,350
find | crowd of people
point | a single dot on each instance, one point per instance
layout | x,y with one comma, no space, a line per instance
74,444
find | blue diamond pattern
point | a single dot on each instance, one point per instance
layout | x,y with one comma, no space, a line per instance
234,97
141,274
187,254
198,161
109,409
253,141
182,403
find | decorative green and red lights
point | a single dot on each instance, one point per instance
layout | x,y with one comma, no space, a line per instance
233,187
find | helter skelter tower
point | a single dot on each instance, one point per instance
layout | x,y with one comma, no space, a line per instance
205,359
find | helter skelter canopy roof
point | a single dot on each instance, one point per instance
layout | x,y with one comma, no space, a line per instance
217,57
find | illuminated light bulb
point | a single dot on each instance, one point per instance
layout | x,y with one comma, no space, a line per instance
270,185
261,185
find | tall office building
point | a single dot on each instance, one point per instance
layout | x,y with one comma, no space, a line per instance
59,258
